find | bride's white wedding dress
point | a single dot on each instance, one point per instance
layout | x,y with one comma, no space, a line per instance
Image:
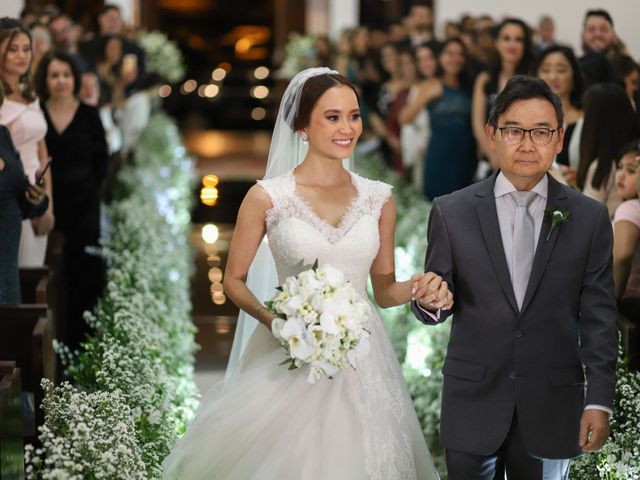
266,422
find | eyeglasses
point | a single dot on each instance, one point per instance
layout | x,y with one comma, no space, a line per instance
515,135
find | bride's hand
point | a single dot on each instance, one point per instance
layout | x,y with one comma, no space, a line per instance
431,291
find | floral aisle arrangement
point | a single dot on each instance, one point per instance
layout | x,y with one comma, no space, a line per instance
162,55
299,53
619,459
421,350
139,360
325,322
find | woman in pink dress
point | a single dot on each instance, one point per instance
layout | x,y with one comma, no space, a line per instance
22,115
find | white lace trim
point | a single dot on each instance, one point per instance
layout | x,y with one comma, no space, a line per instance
287,203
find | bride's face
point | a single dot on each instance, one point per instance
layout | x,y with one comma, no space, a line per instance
335,123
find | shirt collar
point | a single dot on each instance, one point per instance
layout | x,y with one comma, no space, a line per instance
504,186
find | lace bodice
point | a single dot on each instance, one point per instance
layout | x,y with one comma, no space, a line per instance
298,236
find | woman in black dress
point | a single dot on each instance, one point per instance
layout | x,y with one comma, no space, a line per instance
18,200
76,142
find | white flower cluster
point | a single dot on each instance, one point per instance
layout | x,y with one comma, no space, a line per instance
326,321
162,55
299,53
87,435
142,352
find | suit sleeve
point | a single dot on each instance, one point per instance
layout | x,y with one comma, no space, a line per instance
438,259
598,313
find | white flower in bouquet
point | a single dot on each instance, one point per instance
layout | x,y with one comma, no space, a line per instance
324,324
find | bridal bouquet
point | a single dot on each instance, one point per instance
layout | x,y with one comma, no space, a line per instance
324,324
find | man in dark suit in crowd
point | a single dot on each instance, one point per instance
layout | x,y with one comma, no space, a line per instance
528,261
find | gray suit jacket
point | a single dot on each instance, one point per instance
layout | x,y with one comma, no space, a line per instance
534,361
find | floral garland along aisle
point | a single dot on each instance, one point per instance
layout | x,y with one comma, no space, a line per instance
421,350
135,388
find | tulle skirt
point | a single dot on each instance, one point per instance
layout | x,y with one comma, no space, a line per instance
266,422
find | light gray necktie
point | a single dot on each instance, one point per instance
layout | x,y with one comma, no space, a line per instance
523,243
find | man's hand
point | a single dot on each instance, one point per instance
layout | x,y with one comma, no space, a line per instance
432,292
594,430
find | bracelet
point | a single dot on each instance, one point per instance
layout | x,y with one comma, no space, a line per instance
261,307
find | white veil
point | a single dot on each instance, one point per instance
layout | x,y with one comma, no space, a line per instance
286,151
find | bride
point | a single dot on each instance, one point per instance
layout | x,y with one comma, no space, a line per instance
266,422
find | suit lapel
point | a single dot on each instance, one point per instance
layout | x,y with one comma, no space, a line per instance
488,217
556,200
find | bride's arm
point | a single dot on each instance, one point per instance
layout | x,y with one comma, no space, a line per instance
387,291
247,235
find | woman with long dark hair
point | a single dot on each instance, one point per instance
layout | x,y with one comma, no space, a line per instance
515,50
609,123
450,159
559,68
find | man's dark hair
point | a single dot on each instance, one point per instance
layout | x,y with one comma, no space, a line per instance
524,87
107,7
599,12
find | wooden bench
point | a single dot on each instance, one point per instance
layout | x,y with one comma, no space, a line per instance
11,419
25,338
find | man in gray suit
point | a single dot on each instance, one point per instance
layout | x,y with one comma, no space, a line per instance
528,261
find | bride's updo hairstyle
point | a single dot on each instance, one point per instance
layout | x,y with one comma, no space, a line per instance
312,90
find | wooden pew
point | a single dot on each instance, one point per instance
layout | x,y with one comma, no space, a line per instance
11,418
38,286
25,338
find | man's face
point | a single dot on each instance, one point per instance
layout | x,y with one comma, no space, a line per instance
598,34
421,18
526,162
110,22
61,30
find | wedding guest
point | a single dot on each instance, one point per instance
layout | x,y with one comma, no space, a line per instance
599,41
65,39
415,129
626,72
18,199
110,23
559,68
90,94
450,159
515,56
387,92
76,140
115,71
546,34
609,123
626,234
41,38
22,115
421,23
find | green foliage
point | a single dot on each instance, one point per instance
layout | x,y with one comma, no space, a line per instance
139,360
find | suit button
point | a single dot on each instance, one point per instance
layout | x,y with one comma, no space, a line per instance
518,333
513,375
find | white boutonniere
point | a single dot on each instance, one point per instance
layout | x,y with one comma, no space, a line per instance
555,217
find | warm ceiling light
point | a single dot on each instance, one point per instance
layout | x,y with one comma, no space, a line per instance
164,91
260,91
211,90
210,180
210,233
258,113
261,73
218,74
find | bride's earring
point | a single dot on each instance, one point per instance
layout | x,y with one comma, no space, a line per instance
305,137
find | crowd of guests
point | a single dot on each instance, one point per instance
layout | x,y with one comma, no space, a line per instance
67,103
425,102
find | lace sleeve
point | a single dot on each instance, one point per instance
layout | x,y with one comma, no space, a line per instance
376,195
276,188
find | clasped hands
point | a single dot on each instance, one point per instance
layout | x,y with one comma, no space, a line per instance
431,292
